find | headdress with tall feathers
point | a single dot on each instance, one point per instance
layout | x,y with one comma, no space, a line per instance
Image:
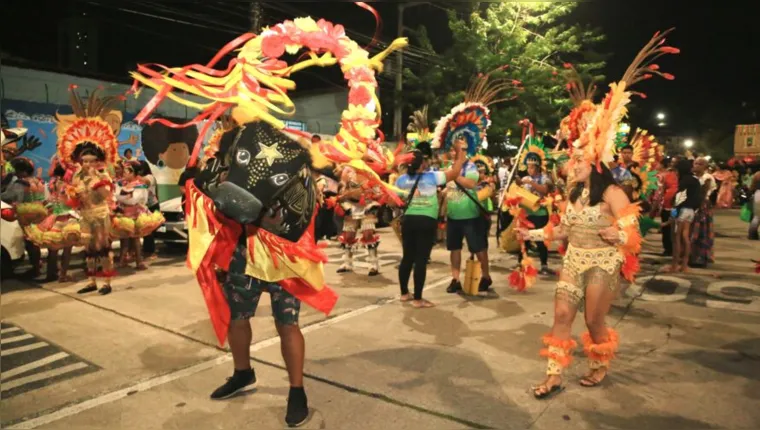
89,126
470,120
597,140
418,128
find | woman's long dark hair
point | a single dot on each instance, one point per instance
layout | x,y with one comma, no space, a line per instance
599,184
422,151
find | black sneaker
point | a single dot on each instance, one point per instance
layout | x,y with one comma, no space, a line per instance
484,286
546,271
298,407
88,289
454,287
239,381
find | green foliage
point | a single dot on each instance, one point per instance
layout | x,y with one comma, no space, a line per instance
533,38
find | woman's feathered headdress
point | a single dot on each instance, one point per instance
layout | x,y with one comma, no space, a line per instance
418,129
597,140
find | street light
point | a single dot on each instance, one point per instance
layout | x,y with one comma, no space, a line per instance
661,116
688,143
662,124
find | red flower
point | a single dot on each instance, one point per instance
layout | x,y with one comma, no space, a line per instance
554,72
670,50
647,76
517,280
361,74
653,67
668,76
567,66
515,82
273,46
359,95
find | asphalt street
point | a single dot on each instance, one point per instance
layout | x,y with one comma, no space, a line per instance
146,357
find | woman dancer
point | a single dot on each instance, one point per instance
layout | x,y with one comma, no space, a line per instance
421,218
590,272
132,199
601,226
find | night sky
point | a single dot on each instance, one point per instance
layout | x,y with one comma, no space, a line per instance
717,73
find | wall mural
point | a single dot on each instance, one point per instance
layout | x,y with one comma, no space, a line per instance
166,150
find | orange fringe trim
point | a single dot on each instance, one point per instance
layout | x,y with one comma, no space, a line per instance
604,351
548,234
566,345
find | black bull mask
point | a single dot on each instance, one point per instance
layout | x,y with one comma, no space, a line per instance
262,177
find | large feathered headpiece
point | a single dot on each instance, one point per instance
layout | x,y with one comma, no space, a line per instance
470,120
597,140
88,127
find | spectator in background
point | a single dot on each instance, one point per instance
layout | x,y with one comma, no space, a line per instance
149,242
668,188
687,202
755,207
703,233
128,155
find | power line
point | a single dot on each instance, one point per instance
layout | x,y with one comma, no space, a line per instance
159,17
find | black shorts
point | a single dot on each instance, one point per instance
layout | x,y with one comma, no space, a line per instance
475,230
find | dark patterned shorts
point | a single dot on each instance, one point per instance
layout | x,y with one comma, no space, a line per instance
243,293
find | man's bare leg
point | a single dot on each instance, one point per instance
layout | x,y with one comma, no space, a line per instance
239,336
293,350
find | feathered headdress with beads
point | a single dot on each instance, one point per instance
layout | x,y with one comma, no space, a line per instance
483,161
646,153
89,126
597,140
470,120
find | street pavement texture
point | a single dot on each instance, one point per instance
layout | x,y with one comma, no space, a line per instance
145,357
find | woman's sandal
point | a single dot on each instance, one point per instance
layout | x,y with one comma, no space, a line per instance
548,392
591,382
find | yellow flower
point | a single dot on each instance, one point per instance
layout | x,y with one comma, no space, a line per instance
306,24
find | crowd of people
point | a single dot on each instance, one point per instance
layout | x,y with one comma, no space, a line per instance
93,198
261,197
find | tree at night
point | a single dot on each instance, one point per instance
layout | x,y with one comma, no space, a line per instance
534,39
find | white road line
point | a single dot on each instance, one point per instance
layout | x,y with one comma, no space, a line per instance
42,376
33,365
6,352
15,339
9,330
164,379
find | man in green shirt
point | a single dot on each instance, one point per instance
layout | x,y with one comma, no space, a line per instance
466,220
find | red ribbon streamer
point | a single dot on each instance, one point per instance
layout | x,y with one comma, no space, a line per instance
378,23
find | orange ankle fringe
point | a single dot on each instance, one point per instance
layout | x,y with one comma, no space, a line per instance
565,345
604,351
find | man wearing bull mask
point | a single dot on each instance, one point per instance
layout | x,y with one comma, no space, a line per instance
251,208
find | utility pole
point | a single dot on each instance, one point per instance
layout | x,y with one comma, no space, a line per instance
256,16
398,98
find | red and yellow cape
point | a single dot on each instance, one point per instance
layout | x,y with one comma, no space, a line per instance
296,266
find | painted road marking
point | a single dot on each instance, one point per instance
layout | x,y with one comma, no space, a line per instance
192,370
33,365
15,339
6,352
7,386
28,363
